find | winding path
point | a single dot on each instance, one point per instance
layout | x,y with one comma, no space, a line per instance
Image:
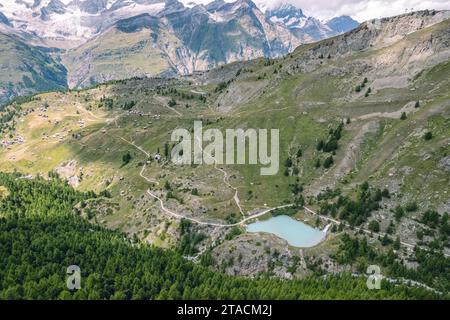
225,179
236,198
180,216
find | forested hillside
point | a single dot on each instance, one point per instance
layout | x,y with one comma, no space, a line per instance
41,234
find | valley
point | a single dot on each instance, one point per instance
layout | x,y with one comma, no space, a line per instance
90,41
364,122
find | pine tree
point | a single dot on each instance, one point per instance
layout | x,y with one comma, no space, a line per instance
403,116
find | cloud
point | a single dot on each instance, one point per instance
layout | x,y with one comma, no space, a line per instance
361,10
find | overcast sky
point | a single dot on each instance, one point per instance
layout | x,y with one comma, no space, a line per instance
360,10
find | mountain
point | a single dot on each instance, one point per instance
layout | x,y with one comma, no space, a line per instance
70,23
342,24
309,29
103,40
178,40
363,122
4,20
26,69
288,15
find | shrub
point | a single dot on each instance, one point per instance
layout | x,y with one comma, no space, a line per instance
428,136
288,163
399,213
126,158
172,103
328,162
411,206
374,226
320,145
317,164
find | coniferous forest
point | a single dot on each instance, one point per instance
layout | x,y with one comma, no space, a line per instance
41,234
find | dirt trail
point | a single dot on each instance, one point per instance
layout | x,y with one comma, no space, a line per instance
263,212
225,179
164,103
408,108
243,221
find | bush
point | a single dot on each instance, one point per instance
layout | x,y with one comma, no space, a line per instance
172,103
320,145
411,206
428,136
430,218
374,226
126,158
399,213
288,163
328,162
317,164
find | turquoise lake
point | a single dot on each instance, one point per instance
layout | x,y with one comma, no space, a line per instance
296,233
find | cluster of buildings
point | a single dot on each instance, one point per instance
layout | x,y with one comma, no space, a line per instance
135,113
16,140
140,113
42,111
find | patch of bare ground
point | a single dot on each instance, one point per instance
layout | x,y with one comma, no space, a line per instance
348,163
252,254
239,94
408,108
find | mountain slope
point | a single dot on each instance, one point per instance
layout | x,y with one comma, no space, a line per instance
134,47
166,37
309,29
42,214
342,24
335,135
26,69
178,41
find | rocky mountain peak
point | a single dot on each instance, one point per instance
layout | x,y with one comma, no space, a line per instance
4,19
342,24
54,6
286,10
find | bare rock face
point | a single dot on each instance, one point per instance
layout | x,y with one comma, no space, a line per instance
445,163
250,255
106,40
69,171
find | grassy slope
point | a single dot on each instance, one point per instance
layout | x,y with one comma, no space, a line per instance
115,55
303,105
27,70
